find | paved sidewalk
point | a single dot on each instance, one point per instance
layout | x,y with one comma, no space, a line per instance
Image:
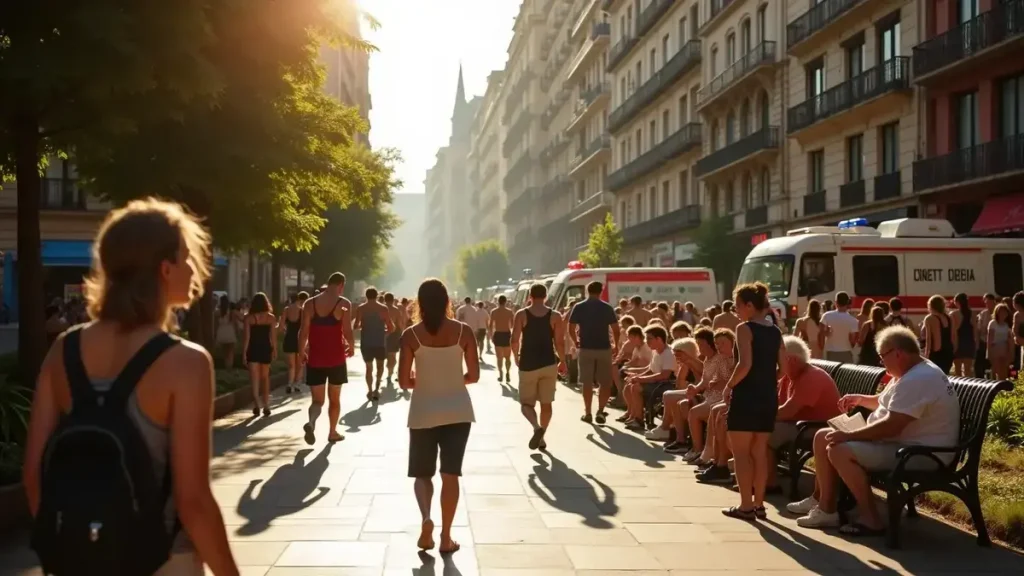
602,502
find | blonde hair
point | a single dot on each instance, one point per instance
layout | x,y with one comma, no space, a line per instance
132,243
899,337
688,345
797,347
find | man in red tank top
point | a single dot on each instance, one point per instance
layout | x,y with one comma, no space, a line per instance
327,330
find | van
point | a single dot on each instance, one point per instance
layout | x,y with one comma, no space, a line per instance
695,285
522,295
910,258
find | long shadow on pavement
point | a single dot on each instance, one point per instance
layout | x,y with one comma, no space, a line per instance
816,556
429,566
630,445
365,415
297,480
229,437
509,391
547,480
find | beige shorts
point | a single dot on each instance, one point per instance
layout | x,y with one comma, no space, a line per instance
538,385
595,367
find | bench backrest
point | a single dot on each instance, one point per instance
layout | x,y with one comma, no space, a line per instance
975,396
829,366
856,379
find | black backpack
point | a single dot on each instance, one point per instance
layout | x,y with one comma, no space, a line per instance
102,506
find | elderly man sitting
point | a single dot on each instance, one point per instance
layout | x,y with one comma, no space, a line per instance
919,407
806,392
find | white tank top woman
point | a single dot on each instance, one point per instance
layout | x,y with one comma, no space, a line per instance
440,396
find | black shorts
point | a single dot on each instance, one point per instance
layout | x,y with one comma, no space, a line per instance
425,443
371,353
502,339
333,375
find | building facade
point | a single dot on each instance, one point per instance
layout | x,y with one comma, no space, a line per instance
486,166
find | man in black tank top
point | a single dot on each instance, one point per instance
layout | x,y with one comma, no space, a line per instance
538,347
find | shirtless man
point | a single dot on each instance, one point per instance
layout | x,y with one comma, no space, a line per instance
727,319
500,327
400,321
638,312
327,330
374,319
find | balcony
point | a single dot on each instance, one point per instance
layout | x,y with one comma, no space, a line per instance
61,194
579,19
888,186
717,9
563,96
517,170
651,15
593,203
670,223
620,50
996,33
515,95
685,60
516,132
519,207
557,144
587,104
759,57
815,203
685,139
988,161
600,32
754,217
852,194
764,141
598,148
854,102
557,185
554,229
805,34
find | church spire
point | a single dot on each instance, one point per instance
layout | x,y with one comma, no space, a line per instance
460,95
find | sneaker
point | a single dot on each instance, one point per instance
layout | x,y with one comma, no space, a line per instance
802,507
818,519
675,448
622,418
657,434
715,475
691,456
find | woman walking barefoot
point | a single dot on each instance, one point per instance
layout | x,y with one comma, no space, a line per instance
440,411
260,350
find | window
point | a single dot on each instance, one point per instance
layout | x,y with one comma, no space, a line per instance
889,38
622,90
664,123
653,134
712,200
652,202
683,116
684,189
693,21
714,135
639,206
622,26
855,58
765,112
968,125
749,200
639,74
666,187
730,49
876,276
622,153
814,74
654,62
714,61
639,141
817,275
745,37
1011,106
730,128
682,31
1007,274
762,23
664,49
855,158
816,168
967,10
730,199
622,214
745,119
890,148
766,186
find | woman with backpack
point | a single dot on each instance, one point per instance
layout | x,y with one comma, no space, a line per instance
123,413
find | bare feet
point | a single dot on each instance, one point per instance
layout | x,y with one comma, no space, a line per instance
448,545
426,541
335,437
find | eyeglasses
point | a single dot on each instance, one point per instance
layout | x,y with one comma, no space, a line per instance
882,355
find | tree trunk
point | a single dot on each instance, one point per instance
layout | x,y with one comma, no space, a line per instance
31,303
275,279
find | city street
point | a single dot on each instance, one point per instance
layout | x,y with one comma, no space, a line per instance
603,501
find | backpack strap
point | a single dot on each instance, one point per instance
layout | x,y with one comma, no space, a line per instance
83,395
137,367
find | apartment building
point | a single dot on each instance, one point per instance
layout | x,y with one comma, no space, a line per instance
586,127
487,203
436,218
523,105
969,68
654,68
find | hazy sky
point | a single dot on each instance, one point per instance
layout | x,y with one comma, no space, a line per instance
413,76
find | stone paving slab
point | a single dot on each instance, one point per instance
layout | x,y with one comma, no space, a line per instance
602,502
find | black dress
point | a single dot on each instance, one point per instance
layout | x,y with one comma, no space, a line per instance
868,351
755,398
291,336
259,351
943,357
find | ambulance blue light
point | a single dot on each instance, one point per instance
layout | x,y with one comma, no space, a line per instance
853,223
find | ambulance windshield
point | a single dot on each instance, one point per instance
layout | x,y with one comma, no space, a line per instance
774,271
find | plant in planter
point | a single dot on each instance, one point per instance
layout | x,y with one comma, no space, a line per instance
15,404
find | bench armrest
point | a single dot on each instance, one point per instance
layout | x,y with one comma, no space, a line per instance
907,452
802,425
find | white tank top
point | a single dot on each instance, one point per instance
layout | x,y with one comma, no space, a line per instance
440,396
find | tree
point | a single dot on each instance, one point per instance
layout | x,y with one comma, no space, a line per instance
720,250
482,265
604,247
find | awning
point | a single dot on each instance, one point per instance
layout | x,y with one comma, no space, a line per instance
1001,214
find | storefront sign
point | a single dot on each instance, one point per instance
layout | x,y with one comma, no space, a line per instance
758,238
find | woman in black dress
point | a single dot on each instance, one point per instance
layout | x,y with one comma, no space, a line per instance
868,350
938,334
260,349
752,397
291,320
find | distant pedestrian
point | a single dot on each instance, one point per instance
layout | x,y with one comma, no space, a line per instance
590,323
538,346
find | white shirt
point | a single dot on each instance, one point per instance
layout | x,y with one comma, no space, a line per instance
642,355
476,318
842,325
925,394
663,360
983,319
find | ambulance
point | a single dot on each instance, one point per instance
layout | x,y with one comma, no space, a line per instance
522,295
695,285
910,258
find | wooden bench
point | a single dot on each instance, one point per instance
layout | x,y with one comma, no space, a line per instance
850,379
959,478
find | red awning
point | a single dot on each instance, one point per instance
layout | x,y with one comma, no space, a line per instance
1001,214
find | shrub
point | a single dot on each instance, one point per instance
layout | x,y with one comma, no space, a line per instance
1006,418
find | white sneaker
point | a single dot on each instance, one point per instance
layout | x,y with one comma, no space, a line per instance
818,519
657,434
802,507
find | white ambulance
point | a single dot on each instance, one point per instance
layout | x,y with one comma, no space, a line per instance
695,285
910,258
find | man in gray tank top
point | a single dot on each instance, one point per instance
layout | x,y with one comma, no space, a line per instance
374,322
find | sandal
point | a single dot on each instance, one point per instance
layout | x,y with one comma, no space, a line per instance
760,512
586,418
739,513
856,530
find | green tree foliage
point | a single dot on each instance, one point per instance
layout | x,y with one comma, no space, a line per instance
720,250
482,265
605,245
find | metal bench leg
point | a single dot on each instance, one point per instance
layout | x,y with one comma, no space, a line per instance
795,467
973,503
892,533
911,508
